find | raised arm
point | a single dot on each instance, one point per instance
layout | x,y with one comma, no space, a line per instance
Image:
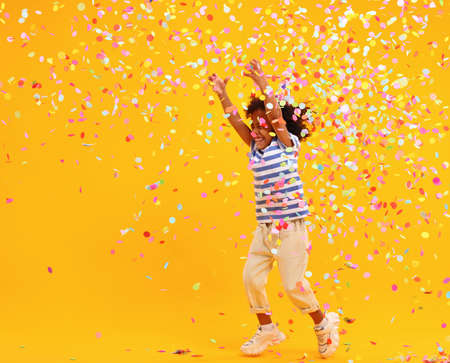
235,120
273,110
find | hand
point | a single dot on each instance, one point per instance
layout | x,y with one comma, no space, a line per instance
256,73
218,85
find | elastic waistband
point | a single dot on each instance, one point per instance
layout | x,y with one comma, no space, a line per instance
292,224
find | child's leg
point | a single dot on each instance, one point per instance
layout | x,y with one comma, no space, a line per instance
256,270
292,263
255,275
317,316
264,318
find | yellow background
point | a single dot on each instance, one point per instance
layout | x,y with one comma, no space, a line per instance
81,205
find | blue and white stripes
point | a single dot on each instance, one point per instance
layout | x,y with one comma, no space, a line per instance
277,185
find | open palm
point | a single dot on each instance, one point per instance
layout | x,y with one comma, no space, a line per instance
218,84
256,73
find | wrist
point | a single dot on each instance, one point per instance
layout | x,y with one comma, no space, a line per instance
278,121
222,95
262,79
266,89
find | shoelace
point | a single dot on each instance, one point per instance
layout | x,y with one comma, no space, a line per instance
323,340
252,340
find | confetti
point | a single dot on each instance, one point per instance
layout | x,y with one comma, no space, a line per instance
121,100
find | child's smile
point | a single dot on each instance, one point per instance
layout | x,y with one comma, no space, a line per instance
261,129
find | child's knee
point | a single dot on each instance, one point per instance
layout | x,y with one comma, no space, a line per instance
253,282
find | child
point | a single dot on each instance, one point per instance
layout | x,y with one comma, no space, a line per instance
274,139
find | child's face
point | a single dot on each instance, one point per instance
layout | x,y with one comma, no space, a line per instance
260,129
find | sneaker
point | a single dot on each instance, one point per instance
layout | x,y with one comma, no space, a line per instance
261,340
328,337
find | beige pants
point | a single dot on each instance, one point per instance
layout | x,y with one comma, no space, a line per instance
289,247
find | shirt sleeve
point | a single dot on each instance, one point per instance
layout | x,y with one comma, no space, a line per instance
252,146
295,141
252,149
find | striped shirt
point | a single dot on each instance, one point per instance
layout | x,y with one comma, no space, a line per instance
278,188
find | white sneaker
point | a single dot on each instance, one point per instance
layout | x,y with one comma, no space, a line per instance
261,340
328,338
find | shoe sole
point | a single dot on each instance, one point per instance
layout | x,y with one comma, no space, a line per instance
333,318
281,337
